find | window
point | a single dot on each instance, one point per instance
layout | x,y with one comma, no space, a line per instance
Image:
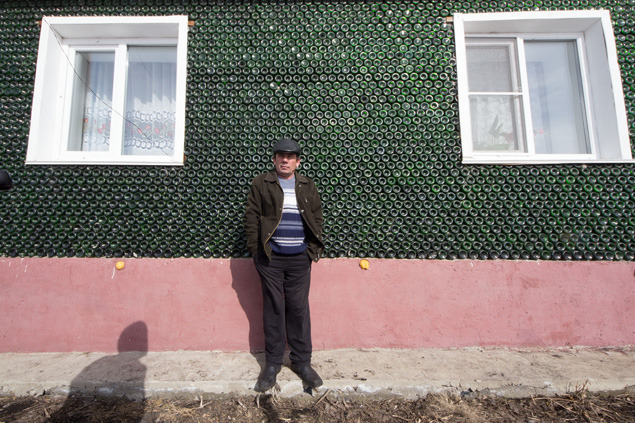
110,90
540,87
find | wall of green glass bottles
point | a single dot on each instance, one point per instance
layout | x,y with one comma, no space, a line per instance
367,87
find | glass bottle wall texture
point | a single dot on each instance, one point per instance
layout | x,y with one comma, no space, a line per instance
367,88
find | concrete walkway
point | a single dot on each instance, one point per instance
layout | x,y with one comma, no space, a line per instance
408,373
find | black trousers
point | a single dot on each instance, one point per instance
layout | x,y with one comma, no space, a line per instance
285,292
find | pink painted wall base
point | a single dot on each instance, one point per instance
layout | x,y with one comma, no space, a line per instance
72,304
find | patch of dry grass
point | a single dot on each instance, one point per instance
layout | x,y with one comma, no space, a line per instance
579,406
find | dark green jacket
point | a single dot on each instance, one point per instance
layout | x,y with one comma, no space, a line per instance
263,213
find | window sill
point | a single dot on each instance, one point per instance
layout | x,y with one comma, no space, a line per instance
519,161
135,161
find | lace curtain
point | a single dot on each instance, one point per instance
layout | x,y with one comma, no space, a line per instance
93,90
150,101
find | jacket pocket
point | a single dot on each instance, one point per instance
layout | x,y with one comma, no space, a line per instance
267,227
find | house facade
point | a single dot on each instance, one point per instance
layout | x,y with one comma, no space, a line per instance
477,154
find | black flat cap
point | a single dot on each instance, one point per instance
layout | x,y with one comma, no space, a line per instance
286,145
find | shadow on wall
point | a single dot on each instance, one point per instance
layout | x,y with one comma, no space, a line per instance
6,183
246,283
121,375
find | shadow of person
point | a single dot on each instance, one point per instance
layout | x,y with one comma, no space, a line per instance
6,183
246,283
111,388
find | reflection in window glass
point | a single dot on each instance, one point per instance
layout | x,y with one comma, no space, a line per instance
557,103
496,123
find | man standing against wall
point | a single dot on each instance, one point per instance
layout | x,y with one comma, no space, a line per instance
283,224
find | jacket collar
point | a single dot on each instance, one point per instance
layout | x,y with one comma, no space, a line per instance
273,177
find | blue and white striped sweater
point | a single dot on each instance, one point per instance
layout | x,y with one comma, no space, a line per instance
289,237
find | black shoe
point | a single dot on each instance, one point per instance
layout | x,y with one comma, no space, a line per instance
267,378
308,375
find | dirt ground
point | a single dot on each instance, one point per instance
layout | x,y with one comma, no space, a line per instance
470,407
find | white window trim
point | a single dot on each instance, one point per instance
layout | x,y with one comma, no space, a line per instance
59,38
606,96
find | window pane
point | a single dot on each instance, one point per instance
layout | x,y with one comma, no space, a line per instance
92,101
497,123
557,103
150,101
490,68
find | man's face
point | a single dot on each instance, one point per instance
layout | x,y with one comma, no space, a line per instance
285,164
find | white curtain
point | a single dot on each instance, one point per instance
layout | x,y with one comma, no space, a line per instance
496,117
150,101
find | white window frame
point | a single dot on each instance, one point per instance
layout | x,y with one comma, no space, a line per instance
602,85
60,39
